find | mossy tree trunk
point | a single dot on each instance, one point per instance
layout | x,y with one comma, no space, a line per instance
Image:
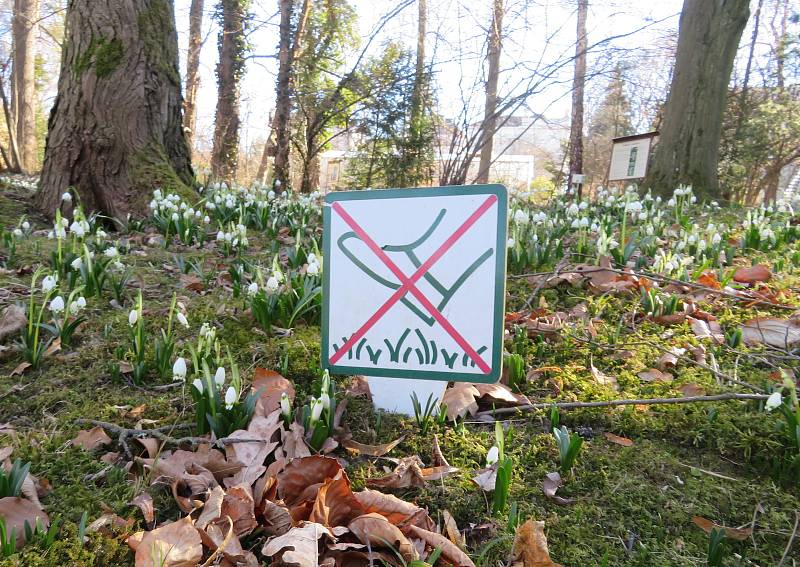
193,69
115,129
688,146
230,69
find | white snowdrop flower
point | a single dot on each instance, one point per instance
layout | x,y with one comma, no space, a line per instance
26,225
118,266
81,302
326,400
198,385
520,217
49,283
230,397
272,284
584,205
492,456
175,217
252,289
693,199
100,234
206,219
671,202
774,401
716,239
111,252
77,229
277,183
510,243
66,197
595,227
228,237
316,409
312,258
17,232
51,235
313,269
219,377
220,235
572,210
286,405
57,304
133,317
179,370
182,319
584,222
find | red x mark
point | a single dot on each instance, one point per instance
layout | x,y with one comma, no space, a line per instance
409,283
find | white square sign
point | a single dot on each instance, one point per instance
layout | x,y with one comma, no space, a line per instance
414,282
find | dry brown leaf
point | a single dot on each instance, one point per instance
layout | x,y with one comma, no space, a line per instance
437,473
450,551
670,359
407,473
192,283
689,390
654,375
299,545
300,474
150,444
294,443
552,482
753,274
624,441
91,439
176,544
174,465
451,529
212,509
238,505
460,400
144,502
709,279
375,530
271,385
530,547
275,519
370,450
437,458
739,534
16,511
710,329
486,478
358,387
394,509
781,333
12,321
602,378
500,394
214,538
335,504
20,369
254,451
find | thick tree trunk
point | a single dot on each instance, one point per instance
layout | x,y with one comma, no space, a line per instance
115,130
490,108
193,69
688,146
230,68
578,85
23,86
289,49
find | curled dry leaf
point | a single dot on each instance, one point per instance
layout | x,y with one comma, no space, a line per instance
300,474
530,547
624,441
710,329
173,465
212,509
91,439
753,274
407,473
460,400
335,504
358,387
231,548
654,375
670,359
602,378
394,509
299,546
451,529
500,394
144,502
486,478
692,390
238,505
370,450
271,385
275,519
450,551
739,534
176,544
16,511
781,333
437,458
375,530
294,442
552,482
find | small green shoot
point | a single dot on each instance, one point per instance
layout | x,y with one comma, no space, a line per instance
569,445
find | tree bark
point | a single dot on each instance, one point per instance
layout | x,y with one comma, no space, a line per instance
688,146
230,69
115,130
193,69
578,86
490,108
23,86
283,102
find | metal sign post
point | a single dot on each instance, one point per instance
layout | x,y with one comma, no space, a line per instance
414,288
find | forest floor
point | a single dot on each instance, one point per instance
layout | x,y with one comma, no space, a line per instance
645,477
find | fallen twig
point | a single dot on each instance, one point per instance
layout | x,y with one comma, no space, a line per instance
791,539
608,403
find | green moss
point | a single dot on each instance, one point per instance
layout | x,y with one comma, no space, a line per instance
151,168
157,33
105,55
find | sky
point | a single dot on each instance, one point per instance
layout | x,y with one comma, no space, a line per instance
539,34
